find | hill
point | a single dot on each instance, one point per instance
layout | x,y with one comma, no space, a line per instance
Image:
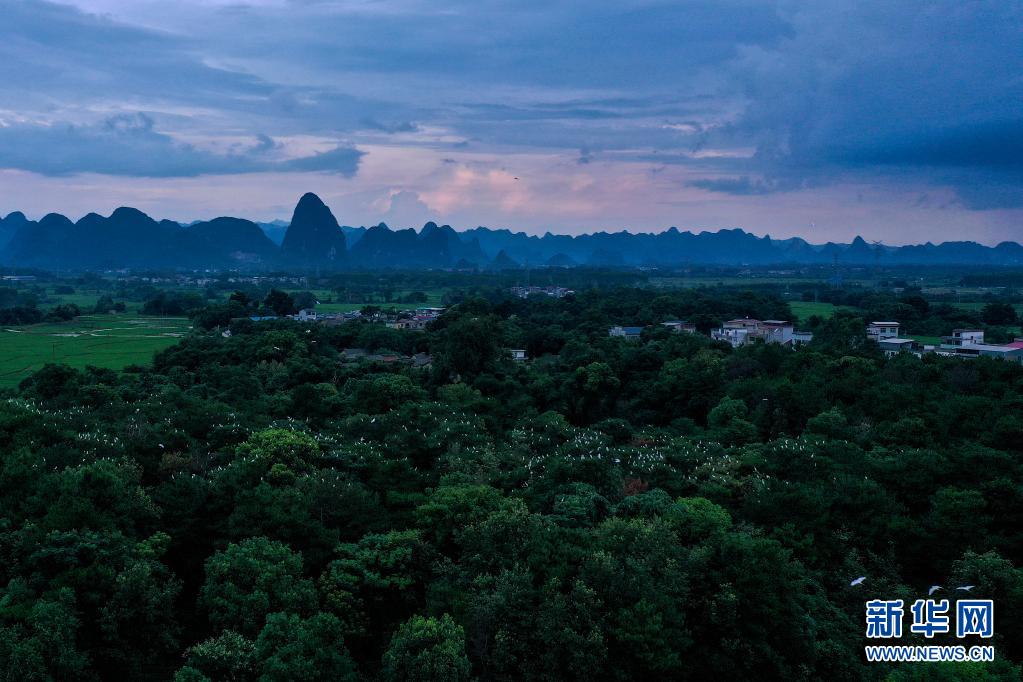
314,239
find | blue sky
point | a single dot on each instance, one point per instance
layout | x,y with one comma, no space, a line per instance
900,121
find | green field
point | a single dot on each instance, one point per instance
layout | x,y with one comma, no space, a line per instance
979,305
805,309
926,340
111,341
433,299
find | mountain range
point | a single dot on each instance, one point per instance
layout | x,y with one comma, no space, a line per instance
129,238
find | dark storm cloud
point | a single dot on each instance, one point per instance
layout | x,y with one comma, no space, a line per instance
795,95
922,90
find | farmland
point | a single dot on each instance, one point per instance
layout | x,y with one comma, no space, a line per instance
110,341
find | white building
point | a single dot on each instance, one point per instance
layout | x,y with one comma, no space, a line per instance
731,335
628,333
744,330
894,346
878,331
680,326
776,331
963,337
799,337
1011,351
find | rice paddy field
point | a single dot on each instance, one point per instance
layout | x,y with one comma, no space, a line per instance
109,341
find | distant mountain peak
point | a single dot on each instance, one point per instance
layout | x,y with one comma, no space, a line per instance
310,200
314,236
130,238
128,213
504,262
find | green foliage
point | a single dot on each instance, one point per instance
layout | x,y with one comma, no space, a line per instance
280,303
427,650
229,656
255,505
252,579
292,649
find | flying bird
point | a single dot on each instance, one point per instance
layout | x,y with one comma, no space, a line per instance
858,581
934,588
965,588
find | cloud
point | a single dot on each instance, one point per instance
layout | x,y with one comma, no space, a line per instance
342,160
935,99
130,145
743,185
406,209
737,103
396,127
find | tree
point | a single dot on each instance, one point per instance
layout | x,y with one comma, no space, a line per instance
252,579
43,648
280,302
729,424
1000,314
466,348
427,649
241,298
229,656
293,649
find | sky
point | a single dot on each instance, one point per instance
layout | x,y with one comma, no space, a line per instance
897,121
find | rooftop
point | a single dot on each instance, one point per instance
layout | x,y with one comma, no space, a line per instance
992,348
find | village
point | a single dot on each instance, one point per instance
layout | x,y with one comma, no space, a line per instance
964,344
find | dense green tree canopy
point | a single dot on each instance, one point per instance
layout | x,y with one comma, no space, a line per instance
257,506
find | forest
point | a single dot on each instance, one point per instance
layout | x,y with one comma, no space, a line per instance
257,505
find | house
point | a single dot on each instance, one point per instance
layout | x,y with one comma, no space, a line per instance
352,354
518,354
552,291
422,360
741,331
737,332
962,337
1010,351
747,323
416,324
306,315
876,331
734,336
387,358
776,331
628,333
894,346
680,326
800,337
